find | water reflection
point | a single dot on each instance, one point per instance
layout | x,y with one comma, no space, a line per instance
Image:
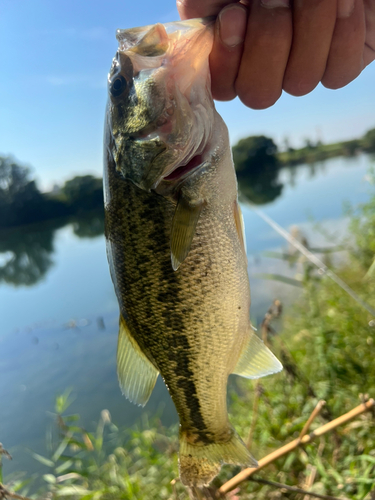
264,184
26,253
89,227
260,186
26,256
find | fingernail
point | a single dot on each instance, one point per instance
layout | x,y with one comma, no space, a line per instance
233,21
345,8
272,4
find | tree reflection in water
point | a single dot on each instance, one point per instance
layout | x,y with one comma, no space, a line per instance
257,169
26,252
26,256
89,227
260,187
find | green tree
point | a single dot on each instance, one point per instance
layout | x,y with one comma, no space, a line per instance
14,178
254,153
20,199
350,148
21,202
83,193
368,141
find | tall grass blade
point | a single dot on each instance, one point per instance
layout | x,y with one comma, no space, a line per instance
43,460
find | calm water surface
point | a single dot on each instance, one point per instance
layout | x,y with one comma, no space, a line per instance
58,311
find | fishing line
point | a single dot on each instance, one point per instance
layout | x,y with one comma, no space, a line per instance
323,269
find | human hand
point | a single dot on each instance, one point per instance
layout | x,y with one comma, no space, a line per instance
267,46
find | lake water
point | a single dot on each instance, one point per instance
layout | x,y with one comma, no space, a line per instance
59,315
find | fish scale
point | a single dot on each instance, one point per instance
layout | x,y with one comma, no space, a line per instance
168,303
176,245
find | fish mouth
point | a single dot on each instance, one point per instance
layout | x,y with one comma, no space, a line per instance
162,128
183,171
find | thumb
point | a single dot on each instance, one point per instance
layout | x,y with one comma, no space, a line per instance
189,9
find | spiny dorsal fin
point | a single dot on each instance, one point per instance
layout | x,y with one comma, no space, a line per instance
136,374
256,360
184,223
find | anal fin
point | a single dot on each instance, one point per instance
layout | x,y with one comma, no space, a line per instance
184,223
256,360
136,374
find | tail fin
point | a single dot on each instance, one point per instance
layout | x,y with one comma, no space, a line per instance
200,463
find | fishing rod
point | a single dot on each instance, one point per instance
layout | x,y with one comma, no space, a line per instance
323,269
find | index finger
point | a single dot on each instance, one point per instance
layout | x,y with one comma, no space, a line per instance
189,9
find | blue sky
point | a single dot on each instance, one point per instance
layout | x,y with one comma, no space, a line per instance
54,60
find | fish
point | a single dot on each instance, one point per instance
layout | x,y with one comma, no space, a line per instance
175,241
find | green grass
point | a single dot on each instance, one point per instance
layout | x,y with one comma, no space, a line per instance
327,347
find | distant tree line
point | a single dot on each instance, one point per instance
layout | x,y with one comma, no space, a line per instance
258,161
21,202
256,158
312,153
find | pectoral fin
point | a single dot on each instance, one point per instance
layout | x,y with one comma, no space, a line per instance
136,374
256,360
183,229
240,225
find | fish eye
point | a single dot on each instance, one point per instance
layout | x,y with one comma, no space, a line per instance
118,86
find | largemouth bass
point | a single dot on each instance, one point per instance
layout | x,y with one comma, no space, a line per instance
175,241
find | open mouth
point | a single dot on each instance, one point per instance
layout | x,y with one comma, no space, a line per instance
185,170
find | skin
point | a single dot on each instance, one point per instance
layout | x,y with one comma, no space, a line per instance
264,47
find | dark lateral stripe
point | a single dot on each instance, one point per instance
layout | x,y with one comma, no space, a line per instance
142,260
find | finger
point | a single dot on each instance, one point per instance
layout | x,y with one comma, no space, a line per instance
313,25
225,57
189,9
369,52
265,55
345,61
